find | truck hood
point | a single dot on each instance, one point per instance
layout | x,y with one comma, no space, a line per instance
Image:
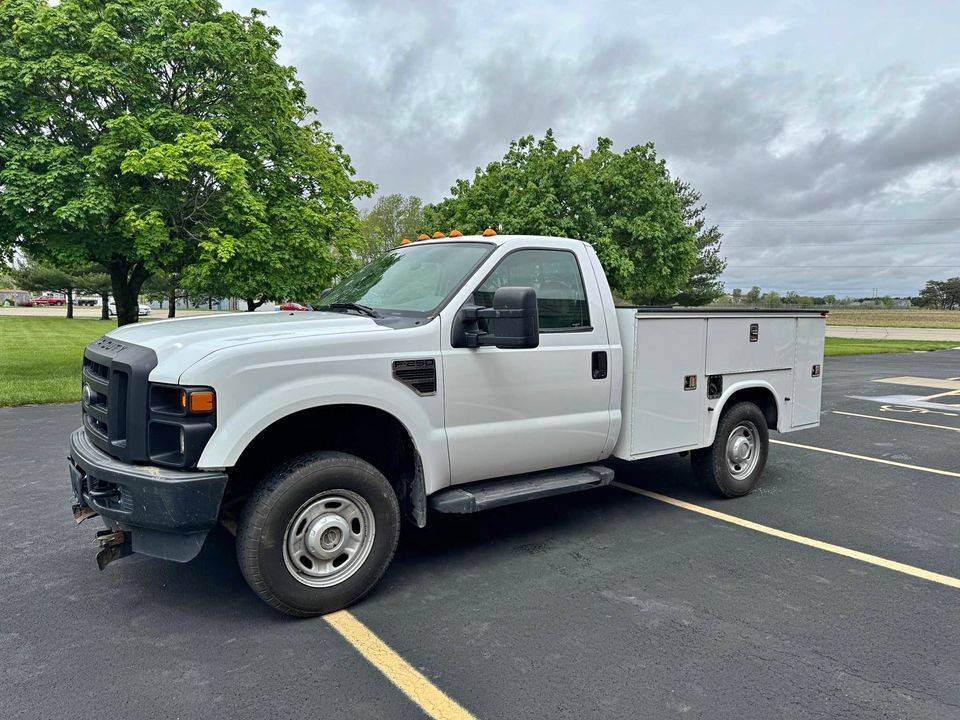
181,342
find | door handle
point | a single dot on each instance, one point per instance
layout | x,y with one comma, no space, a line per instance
599,365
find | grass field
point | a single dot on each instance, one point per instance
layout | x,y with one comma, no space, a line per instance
854,346
40,357
907,317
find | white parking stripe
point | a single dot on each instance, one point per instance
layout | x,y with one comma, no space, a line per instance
894,420
919,468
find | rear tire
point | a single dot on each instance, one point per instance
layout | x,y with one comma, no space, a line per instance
318,533
732,466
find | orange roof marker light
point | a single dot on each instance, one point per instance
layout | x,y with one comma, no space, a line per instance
456,233
489,232
406,241
437,235
423,236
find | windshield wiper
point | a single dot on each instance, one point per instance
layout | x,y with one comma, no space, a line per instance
362,309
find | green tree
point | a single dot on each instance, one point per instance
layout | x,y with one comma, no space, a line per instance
390,220
163,136
94,280
625,204
753,295
40,278
943,294
736,296
703,286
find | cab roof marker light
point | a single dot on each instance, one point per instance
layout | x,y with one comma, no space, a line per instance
423,236
406,241
489,232
437,235
456,233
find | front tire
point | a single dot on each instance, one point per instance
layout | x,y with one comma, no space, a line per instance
318,533
732,465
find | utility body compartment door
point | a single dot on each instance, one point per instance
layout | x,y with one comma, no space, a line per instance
668,385
807,380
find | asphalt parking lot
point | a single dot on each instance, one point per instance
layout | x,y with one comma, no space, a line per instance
602,604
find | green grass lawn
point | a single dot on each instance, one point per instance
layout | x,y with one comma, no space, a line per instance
853,346
40,357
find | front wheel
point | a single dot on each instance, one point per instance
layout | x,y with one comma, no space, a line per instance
732,465
318,533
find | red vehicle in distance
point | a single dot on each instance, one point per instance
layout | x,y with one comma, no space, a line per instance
293,306
47,300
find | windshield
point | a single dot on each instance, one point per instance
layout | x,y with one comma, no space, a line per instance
414,279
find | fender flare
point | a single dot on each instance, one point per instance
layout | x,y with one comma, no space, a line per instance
720,403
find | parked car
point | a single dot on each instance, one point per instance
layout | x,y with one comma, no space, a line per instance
293,306
457,374
142,309
48,301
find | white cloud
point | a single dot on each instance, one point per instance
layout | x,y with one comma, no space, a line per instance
760,29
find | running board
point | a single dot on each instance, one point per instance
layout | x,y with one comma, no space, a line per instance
489,494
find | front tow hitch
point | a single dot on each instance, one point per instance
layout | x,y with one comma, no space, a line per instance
113,544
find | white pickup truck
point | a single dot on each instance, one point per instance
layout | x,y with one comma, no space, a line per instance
454,374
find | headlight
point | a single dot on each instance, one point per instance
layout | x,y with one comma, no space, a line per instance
181,421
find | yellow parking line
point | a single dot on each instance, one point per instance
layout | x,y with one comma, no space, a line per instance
427,696
424,694
895,420
920,468
799,539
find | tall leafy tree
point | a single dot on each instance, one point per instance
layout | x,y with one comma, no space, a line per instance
625,204
163,136
390,220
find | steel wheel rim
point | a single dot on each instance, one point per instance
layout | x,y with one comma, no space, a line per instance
743,450
329,538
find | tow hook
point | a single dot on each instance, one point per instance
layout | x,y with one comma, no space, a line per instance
83,512
114,544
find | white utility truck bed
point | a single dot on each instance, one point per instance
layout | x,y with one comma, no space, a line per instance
669,352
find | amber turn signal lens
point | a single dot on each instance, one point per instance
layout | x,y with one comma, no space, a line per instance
183,399
202,401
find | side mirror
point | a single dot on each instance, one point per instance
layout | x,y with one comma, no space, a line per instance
516,322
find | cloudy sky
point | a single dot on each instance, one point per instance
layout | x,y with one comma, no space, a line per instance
824,136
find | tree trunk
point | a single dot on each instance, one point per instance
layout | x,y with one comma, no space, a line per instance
69,303
172,300
127,280
254,304
105,306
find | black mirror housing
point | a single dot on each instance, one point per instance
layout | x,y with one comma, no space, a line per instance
517,320
517,323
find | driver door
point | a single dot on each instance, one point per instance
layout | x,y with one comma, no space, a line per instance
511,411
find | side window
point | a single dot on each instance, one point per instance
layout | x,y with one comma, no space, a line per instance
554,274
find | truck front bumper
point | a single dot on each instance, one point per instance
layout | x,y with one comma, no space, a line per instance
160,512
